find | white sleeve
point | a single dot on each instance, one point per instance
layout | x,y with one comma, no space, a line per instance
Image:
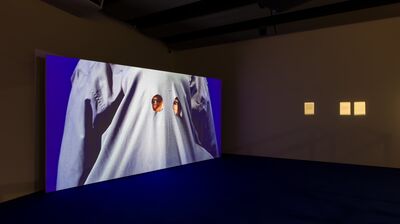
202,115
95,88
78,123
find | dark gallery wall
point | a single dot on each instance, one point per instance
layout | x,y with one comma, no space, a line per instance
265,83
30,25
267,80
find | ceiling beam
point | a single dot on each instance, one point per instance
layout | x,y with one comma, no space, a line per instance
196,9
310,13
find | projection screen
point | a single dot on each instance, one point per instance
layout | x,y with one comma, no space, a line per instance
106,121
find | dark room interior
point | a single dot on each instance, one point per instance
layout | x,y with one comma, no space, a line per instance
310,97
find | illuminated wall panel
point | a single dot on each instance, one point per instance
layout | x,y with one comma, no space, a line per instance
359,108
345,108
309,108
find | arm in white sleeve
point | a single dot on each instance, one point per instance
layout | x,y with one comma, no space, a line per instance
94,88
202,115
77,129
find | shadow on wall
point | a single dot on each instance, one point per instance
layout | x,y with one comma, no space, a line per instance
40,116
353,145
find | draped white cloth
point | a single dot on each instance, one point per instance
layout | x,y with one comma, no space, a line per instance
112,131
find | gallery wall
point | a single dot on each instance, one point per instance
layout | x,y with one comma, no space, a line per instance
28,26
267,80
265,83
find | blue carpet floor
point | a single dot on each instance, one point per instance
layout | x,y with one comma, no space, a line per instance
232,189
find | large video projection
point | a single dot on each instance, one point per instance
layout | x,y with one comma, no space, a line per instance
106,121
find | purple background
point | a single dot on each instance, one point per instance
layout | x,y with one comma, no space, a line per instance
58,87
215,90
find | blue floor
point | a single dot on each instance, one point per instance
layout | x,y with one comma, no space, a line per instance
233,189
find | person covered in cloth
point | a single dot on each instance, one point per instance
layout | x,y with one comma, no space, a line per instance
124,120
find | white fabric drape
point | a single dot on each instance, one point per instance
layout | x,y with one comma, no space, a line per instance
111,130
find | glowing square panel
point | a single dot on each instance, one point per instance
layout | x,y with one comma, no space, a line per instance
345,108
309,108
359,108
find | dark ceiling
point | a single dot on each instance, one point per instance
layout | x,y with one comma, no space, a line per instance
184,24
